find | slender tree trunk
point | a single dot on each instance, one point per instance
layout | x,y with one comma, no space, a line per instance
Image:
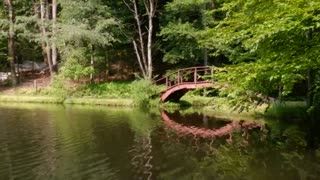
313,107
205,56
54,20
151,13
144,53
204,23
18,70
107,64
47,9
311,77
92,63
140,33
141,64
138,44
44,35
11,39
47,13
310,84
43,44
150,6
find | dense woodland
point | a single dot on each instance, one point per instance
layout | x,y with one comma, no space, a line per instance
262,49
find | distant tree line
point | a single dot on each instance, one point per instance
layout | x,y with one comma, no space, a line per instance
263,48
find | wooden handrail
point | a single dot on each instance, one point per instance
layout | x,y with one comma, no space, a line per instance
183,69
180,75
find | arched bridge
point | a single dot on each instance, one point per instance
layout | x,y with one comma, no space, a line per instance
178,83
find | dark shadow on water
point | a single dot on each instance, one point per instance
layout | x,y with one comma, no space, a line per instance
198,120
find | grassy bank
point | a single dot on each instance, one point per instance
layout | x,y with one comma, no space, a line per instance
138,93
103,102
116,93
287,111
31,99
290,111
60,100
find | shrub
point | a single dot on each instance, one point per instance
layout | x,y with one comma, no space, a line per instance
288,111
143,91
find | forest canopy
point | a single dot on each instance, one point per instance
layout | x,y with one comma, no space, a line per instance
262,49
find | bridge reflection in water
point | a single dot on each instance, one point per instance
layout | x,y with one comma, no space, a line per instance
210,127
194,132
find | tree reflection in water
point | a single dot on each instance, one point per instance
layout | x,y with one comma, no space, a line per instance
141,157
97,143
245,150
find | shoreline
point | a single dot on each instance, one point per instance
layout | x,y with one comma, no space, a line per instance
187,104
290,111
70,100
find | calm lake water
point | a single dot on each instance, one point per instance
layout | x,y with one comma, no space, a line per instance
78,142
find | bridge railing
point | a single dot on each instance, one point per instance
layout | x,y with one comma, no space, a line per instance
186,75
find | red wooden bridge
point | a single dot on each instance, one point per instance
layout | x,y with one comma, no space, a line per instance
178,83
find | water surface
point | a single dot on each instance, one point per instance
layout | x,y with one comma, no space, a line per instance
80,142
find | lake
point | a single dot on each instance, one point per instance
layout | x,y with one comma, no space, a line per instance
81,142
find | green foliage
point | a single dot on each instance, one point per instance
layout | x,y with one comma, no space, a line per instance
272,45
85,29
76,64
288,111
105,90
59,87
27,42
87,22
182,21
142,91
181,43
101,102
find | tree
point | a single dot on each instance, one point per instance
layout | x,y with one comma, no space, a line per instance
86,28
182,21
144,52
269,44
26,33
54,29
44,16
11,41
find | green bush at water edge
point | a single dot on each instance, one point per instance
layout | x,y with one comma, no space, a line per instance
289,110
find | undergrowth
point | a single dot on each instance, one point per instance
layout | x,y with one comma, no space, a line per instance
142,92
289,111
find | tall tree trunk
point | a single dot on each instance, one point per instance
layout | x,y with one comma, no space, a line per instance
107,65
310,86
11,39
54,20
47,9
151,13
311,77
43,44
141,40
204,23
92,63
44,35
141,64
144,53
